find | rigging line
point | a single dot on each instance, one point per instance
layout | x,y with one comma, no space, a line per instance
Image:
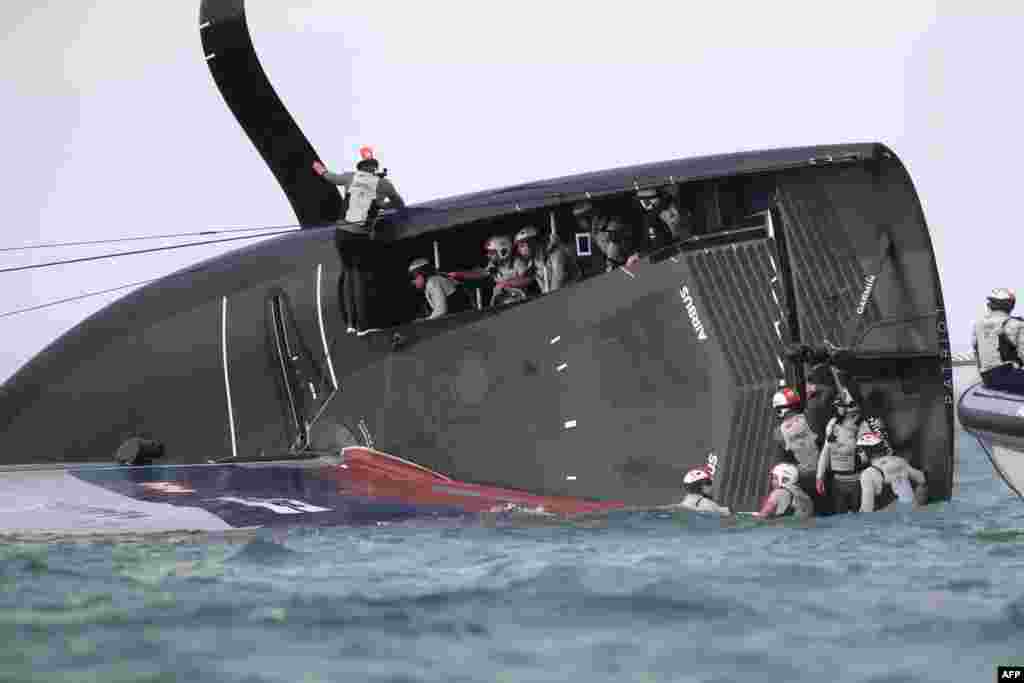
79,297
139,251
212,231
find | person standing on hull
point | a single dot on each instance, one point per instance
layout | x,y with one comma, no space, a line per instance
997,340
885,469
443,295
698,485
787,498
367,191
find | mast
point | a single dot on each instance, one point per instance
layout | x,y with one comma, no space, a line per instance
231,57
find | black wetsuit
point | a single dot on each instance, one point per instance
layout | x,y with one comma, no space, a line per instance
359,259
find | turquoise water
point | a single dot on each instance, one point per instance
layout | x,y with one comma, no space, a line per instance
935,595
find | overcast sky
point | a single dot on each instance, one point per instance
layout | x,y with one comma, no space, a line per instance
113,125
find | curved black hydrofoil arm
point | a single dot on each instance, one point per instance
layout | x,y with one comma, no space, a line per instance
236,69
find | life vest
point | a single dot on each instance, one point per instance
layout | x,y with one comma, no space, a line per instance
456,297
362,192
894,473
799,505
842,445
692,501
798,439
1007,351
994,347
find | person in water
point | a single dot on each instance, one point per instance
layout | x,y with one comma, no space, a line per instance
797,443
443,295
367,191
786,499
509,284
698,484
885,469
838,460
997,340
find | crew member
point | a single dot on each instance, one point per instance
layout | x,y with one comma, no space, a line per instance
549,265
612,235
839,459
904,481
367,192
786,499
367,189
664,223
798,445
443,295
509,285
997,340
698,485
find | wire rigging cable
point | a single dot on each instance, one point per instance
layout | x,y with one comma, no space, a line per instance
79,297
113,240
134,252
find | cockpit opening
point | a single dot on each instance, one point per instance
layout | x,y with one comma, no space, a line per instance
524,255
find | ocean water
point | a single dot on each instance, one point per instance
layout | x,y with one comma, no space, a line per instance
900,595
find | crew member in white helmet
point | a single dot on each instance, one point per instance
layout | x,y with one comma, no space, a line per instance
886,470
698,485
997,340
549,264
442,293
509,284
786,499
798,444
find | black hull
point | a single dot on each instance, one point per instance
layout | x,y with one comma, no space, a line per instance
602,390
609,389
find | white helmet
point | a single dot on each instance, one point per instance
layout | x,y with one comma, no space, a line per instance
784,473
700,475
785,400
499,245
417,264
871,445
1002,299
526,233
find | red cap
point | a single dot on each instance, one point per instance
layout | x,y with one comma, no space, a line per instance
366,153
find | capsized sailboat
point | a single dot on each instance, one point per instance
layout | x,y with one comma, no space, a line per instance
604,392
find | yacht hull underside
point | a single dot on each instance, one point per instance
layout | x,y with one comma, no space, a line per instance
610,389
